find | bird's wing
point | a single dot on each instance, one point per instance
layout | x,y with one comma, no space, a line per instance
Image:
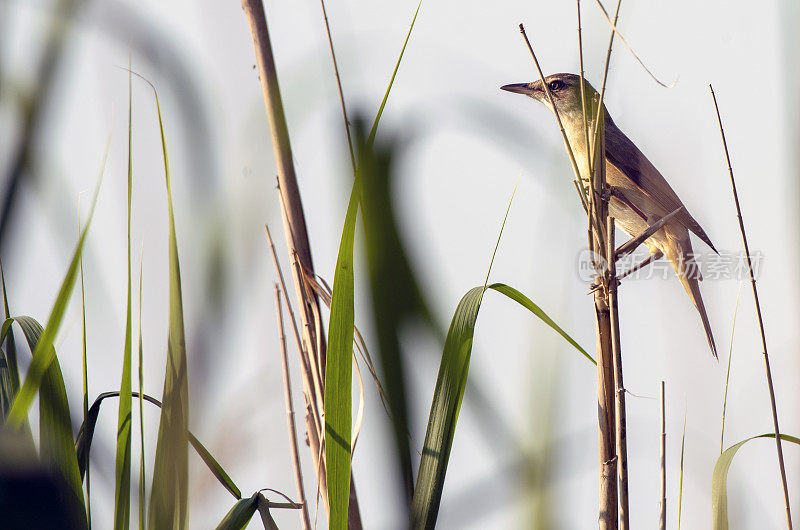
629,160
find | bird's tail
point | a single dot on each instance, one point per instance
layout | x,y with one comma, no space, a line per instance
690,280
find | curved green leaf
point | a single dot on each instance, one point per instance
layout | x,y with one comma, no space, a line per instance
241,513
83,444
56,447
447,397
10,377
719,480
446,405
526,302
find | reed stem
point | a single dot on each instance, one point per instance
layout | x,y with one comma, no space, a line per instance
767,369
619,388
287,388
662,520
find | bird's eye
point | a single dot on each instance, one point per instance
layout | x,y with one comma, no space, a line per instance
556,85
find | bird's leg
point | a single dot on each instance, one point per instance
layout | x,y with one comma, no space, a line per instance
606,194
649,259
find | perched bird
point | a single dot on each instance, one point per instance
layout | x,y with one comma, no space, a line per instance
639,194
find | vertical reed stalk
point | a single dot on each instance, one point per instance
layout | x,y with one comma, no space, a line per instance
296,235
287,388
607,450
598,214
291,205
662,520
619,388
767,369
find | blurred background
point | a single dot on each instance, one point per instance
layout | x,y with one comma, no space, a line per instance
526,444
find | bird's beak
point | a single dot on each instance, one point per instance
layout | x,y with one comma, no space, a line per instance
520,88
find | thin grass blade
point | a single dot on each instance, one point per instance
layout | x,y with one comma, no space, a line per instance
374,129
169,493
122,490
142,475
728,371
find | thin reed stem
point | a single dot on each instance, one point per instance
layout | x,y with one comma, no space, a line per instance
767,369
294,222
287,387
600,106
552,104
583,81
619,387
728,374
680,471
633,53
662,520
606,402
310,381
339,86
573,161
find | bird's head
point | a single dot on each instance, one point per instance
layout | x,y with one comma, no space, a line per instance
564,88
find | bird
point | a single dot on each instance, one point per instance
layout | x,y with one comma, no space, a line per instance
638,194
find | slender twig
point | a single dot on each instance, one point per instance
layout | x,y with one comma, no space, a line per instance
287,387
630,246
583,81
552,104
619,387
339,86
638,60
497,243
313,416
728,372
760,322
316,362
662,520
680,477
564,136
300,346
600,106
